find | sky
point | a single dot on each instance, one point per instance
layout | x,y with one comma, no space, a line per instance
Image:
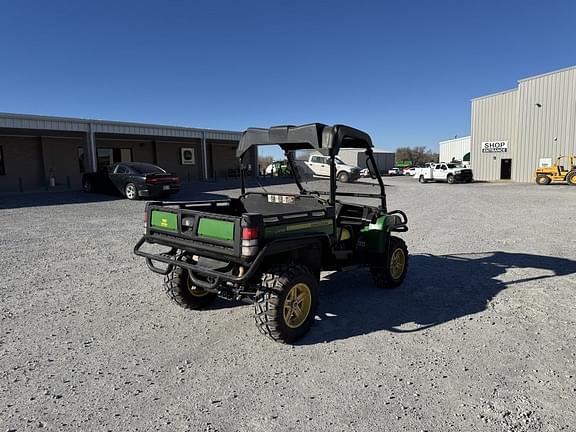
404,71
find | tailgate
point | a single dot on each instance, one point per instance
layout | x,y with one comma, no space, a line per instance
193,229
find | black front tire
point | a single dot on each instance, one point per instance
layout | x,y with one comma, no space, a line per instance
179,288
450,179
543,180
421,179
571,178
393,273
343,177
286,308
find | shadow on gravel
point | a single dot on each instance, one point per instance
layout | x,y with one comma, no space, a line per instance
189,191
40,199
438,289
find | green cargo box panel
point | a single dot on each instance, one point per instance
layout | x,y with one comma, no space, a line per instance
164,220
216,229
322,226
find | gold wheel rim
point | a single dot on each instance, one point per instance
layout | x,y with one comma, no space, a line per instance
572,179
297,305
397,263
195,291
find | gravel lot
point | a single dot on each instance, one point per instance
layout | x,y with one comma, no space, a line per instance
480,337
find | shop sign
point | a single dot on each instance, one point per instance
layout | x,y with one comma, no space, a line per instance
494,146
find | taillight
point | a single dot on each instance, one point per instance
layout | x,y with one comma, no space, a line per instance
249,233
155,180
249,241
145,219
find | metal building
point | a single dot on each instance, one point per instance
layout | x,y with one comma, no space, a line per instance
38,152
384,160
515,131
455,149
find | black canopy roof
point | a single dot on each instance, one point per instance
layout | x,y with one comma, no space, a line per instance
315,136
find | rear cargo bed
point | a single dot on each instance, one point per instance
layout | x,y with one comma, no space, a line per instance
213,225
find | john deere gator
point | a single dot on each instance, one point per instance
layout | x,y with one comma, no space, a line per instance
268,248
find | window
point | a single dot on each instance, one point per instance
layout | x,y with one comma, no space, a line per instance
121,169
104,157
318,159
108,156
2,170
144,168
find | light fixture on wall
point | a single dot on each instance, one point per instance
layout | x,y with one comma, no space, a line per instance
538,104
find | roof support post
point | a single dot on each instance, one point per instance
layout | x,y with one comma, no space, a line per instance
92,154
155,150
204,158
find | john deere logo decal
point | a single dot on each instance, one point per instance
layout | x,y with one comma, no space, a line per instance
164,222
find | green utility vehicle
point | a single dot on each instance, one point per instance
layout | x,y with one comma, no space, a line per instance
268,248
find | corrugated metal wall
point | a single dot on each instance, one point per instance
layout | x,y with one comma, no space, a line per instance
494,118
123,134
455,148
538,120
548,130
24,121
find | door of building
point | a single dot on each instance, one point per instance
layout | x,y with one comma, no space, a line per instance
505,169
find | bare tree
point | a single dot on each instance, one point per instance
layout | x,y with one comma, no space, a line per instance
418,155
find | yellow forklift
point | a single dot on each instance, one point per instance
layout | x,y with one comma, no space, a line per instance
563,170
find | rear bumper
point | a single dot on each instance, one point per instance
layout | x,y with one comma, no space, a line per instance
158,190
217,277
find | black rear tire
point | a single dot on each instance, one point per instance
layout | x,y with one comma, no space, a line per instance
421,179
450,179
543,180
571,178
286,308
393,273
131,191
179,289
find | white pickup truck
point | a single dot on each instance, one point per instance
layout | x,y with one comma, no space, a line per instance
320,167
445,172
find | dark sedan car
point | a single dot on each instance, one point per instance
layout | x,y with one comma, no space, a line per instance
133,180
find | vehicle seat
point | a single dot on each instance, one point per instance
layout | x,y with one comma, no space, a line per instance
350,214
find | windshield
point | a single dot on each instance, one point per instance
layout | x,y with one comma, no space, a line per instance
144,168
312,171
452,165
